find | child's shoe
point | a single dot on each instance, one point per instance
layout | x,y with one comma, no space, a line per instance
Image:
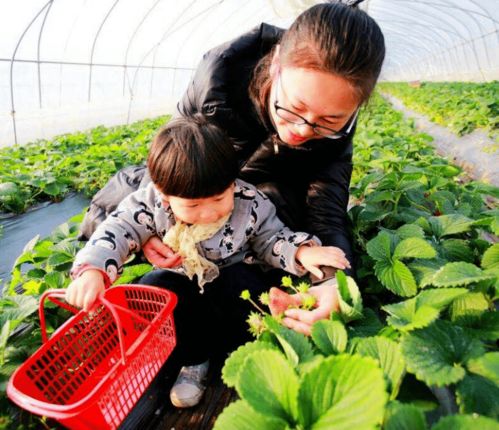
189,386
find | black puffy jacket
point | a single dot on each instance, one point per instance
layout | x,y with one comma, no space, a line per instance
309,183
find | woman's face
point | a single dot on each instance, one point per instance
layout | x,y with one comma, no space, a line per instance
321,98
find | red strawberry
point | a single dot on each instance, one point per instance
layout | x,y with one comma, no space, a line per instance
279,301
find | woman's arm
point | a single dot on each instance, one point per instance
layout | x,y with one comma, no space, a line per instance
327,200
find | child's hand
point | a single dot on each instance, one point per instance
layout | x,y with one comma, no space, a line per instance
159,254
85,289
311,257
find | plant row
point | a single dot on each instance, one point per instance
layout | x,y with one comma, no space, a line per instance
460,106
423,328
83,161
419,343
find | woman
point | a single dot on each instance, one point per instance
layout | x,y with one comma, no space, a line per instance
293,128
289,100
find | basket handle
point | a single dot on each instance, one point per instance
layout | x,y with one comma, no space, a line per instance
54,295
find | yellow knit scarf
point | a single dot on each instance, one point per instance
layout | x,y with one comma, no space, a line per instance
183,238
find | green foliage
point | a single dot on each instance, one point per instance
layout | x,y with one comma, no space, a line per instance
389,356
401,416
82,161
438,353
461,106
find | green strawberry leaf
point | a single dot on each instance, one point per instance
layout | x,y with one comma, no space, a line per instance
406,316
446,225
368,325
456,250
466,422
131,273
350,306
414,247
268,382
421,310
329,336
342,392
490,258
296,346
388,354
410,230
234,362
439,298
437,354
424,270
400,416
396,277
468,307
487,365
455,274
484,326
476,394
240,415
379,248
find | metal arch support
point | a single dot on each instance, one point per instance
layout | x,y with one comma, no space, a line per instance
12,104
64,55
417,33
194,28
419,12
220,25
38,53
419,24
132,38
426,16
93,48
163,38
178,54
226,19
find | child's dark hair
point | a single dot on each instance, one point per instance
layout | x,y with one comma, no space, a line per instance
192,158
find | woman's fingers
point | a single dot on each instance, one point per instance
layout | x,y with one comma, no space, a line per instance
297,326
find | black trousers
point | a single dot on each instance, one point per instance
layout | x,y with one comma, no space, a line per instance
213,324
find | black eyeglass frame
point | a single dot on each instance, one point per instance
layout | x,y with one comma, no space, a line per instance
335,134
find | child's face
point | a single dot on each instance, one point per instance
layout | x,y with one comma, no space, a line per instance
201,211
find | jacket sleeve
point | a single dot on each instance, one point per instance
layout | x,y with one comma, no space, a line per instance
327,201
120,235
272,241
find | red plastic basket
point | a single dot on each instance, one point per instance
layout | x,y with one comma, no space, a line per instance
95,367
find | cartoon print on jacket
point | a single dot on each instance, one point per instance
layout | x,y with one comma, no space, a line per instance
144,217
132,245
107,241
227,238
113,269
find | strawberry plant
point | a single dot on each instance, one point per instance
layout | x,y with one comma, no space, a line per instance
461,106
82,161
414,344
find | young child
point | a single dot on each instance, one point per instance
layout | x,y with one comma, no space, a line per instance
216,225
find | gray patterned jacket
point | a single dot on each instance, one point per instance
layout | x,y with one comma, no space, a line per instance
253,234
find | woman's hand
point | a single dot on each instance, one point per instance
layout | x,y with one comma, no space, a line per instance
312,257
159,254
326,295
85,289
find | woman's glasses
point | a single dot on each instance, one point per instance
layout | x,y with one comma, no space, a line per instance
294,118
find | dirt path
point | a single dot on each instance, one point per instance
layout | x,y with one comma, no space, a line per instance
476,153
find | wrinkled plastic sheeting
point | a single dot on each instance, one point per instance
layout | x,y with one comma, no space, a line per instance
20,229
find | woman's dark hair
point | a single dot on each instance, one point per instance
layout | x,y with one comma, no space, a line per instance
191,158
329,37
